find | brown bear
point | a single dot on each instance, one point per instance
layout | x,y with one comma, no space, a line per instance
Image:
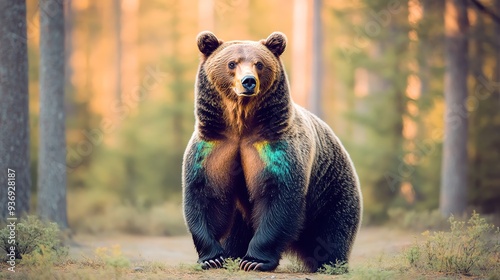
261,175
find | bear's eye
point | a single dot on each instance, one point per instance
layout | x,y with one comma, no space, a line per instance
259,65
231,65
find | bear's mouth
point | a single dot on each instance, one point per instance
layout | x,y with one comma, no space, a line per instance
247,93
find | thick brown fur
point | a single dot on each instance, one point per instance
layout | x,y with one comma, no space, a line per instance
262,175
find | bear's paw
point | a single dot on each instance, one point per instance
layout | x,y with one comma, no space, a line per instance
213,263
250,263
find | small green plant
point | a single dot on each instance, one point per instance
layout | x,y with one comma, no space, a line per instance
232,265
190,268
469,248
34,239
336,268
112,257
43,258
413,255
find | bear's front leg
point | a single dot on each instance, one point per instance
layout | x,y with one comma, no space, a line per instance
208,219
278,193
208,205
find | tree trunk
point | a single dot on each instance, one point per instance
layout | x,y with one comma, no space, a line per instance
117,11
496,77
68,51
299,49
52,151
206,19
453,199
424,50
317,65
129,63
14,114
68,42
475,128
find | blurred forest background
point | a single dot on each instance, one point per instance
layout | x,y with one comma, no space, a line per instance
374,70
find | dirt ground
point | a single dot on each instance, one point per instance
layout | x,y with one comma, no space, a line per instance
371,242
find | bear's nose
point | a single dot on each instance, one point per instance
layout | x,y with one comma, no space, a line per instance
249,83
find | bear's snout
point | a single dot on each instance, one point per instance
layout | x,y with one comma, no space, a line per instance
248,82
246,79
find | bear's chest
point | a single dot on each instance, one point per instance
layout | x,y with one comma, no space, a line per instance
227,161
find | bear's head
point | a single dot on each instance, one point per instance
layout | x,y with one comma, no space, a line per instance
241,68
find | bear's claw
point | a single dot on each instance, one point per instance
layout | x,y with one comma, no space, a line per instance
214,263
248,265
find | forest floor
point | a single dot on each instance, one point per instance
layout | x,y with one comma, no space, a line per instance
377,254
371,242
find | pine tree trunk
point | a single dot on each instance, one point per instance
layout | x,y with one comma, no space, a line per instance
475,128
68,45
206,18
453,199
317,65
298,80
68,42
117,11
129,35
424,49
52,153
496,77
14,114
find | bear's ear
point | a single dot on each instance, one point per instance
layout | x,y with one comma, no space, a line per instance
207,42
276,43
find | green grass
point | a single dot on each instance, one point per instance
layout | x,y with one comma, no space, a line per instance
232,265
337,268
33,238
470,248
